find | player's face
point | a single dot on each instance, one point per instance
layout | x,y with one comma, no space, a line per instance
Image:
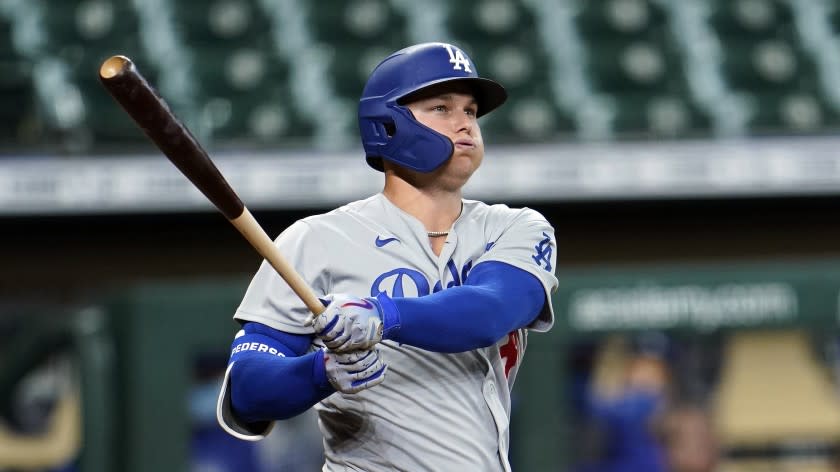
451,111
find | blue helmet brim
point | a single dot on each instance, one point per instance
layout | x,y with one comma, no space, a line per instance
489,94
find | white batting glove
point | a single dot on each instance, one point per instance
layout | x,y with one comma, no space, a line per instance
349,323
352,372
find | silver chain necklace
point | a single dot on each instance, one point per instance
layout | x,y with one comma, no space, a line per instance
437,234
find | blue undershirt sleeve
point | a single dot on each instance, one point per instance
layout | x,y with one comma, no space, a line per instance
272,377
496,298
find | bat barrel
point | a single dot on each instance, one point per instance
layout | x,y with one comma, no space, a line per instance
142,102
148,109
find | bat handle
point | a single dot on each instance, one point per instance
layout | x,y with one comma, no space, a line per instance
253,232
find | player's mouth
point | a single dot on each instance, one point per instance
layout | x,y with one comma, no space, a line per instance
464,143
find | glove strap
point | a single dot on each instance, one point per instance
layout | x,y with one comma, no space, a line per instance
389,313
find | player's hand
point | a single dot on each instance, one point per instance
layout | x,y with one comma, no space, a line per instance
349,323
352,372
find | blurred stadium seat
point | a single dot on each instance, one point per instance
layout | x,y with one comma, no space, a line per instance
760,19
360,33
16,90
245,95
765,60
240,84
78,36
502,39
657,115
633,59
622,19
357,23
232,23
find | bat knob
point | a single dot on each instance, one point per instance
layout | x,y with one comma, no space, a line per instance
113,66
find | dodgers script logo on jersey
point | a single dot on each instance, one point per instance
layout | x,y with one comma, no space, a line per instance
405,281
457,57
402,281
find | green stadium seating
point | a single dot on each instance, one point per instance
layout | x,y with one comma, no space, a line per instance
764,60
245,94
530,119
520,67
16,89
350,66
751,18
252,119
245,76
490,19
234,23
356,23
502,38
106,120
632,58
768,65
626,20
81,35
227,71
657,115
357,35
790,113
833,14
97,24
638,66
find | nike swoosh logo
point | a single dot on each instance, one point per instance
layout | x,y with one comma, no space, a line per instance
381,242
364,304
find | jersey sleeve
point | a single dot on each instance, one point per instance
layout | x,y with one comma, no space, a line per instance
228,420
527,242
269,299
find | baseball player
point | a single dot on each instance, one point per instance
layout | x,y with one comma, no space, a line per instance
429,295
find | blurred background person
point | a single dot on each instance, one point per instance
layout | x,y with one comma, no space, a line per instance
629,391
688,438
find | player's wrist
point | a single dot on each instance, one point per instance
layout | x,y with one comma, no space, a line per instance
319,372
389,313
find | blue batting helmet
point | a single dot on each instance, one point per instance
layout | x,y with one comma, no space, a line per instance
389,130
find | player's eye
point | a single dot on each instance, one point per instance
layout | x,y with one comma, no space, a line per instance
440,108
471,111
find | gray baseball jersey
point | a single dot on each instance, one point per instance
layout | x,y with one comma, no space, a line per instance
434,411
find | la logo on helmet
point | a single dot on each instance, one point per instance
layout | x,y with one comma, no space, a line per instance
457,57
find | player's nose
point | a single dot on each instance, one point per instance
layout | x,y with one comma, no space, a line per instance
463,121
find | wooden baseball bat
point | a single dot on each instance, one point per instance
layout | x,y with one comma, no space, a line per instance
143,103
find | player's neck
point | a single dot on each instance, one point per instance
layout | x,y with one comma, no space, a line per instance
436,208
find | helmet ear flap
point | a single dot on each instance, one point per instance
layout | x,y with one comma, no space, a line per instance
416,146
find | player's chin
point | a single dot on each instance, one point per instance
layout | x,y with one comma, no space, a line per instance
462,164
469,156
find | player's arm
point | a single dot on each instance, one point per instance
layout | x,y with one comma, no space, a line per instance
495,299
271,376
